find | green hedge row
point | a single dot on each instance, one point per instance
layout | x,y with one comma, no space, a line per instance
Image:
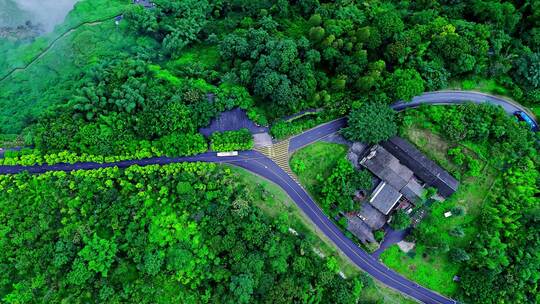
170,145
231,140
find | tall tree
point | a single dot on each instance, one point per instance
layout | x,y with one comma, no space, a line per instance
371,123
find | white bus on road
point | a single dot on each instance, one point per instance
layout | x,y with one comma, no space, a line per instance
231,153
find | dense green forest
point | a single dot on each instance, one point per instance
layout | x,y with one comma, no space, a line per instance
52,65
145,86
185,233
305,54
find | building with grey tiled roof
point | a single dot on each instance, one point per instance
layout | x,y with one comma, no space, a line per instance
385,166
360,229
397,178
423,167
402,171
371,216
384,197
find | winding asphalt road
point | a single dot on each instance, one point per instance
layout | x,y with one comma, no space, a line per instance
260,164
430,98
458,97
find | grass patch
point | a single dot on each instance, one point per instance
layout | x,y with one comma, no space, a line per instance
477,84
436,148
200,56
432,145
277,203
471,195
316,160
433,272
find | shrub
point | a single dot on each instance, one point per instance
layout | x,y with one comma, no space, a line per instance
182,144
400,220
362,179
283,129
457,155
458,210
457,232
473,167
459,255
379,235
298,165
231,140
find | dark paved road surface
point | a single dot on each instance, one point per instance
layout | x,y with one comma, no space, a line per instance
259,164
234,119
457,97
431,98
315,134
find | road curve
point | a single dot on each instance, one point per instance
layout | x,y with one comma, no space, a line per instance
260,164
429,98
268,169
312,135
459,97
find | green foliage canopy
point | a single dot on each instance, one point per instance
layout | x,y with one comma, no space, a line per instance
153,234
371,123
400,220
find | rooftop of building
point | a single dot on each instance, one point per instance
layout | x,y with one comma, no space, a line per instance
360,229
371,216
423,167
413,191
384,198
387,167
